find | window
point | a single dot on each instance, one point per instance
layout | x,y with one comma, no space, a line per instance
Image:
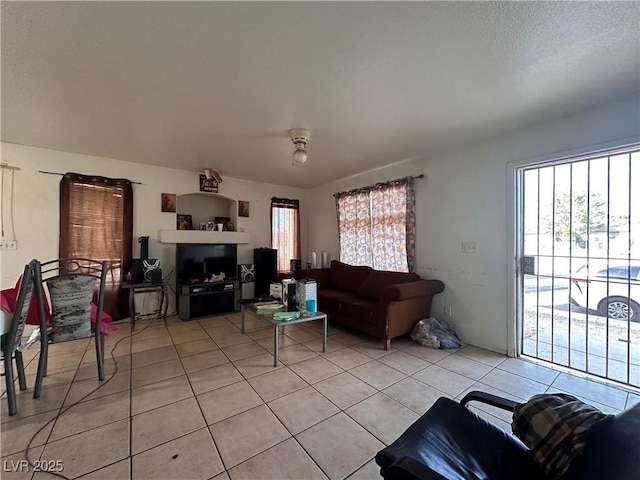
285,231
376,226
96,222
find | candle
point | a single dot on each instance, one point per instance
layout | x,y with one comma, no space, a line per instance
325,259
314,260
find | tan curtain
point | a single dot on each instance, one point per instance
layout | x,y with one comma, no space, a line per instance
96,221
376,225
285,231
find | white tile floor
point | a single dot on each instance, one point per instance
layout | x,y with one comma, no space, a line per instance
198,400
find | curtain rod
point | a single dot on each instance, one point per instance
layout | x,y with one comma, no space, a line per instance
379,184
63,174
6,166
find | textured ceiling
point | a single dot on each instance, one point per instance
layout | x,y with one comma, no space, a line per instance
218,84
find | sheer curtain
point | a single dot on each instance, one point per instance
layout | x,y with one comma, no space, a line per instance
96,221
285,231
376,225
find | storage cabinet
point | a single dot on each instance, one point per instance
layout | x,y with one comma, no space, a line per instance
204,299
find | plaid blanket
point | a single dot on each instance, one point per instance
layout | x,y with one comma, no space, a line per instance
553,426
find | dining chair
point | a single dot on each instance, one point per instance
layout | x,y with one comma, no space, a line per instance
11,350
73,285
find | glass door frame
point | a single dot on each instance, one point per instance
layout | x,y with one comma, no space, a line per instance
515,226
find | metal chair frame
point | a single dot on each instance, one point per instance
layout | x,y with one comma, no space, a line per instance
73,266
12,347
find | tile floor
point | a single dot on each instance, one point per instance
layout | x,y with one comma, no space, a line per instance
199,400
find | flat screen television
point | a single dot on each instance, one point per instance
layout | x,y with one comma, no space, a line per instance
198,262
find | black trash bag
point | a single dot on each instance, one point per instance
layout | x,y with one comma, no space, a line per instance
434,334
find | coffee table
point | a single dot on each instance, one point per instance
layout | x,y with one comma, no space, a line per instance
268,318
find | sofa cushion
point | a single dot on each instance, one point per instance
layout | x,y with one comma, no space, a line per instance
377,281
363,310
347,277
333,301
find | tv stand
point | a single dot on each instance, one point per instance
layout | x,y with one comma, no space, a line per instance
205,299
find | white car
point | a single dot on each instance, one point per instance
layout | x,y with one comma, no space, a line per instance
613,290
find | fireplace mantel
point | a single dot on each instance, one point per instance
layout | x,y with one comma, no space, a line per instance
201,236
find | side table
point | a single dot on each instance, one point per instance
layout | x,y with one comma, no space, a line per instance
159,288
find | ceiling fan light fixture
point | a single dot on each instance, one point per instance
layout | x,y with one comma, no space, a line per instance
300,137
300,154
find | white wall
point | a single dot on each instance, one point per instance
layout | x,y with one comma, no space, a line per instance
464,197
37,197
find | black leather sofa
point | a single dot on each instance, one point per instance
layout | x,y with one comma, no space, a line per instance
451,442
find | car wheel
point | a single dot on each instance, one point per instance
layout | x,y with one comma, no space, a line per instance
620,308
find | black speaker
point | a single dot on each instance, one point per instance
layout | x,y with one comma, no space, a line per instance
148,266
144,247
246,273
137,271
155,276
265,261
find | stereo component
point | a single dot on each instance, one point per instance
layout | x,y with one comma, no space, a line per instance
154,276
148,265
144,247
137,271
247,290
247,273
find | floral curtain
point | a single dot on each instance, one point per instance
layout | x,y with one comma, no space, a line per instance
410,224
376,225
354,228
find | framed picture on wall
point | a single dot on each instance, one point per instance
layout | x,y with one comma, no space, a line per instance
208,185
243,208
184,222
168,202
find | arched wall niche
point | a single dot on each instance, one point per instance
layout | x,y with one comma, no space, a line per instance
204,207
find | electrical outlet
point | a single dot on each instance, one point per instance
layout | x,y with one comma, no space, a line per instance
447,310
469,247
9,244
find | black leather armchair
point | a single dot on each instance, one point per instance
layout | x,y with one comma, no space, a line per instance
451,442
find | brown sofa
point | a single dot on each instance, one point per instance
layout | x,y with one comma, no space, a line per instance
382,304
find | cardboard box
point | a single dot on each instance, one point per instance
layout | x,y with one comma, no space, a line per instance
275,290
307,290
